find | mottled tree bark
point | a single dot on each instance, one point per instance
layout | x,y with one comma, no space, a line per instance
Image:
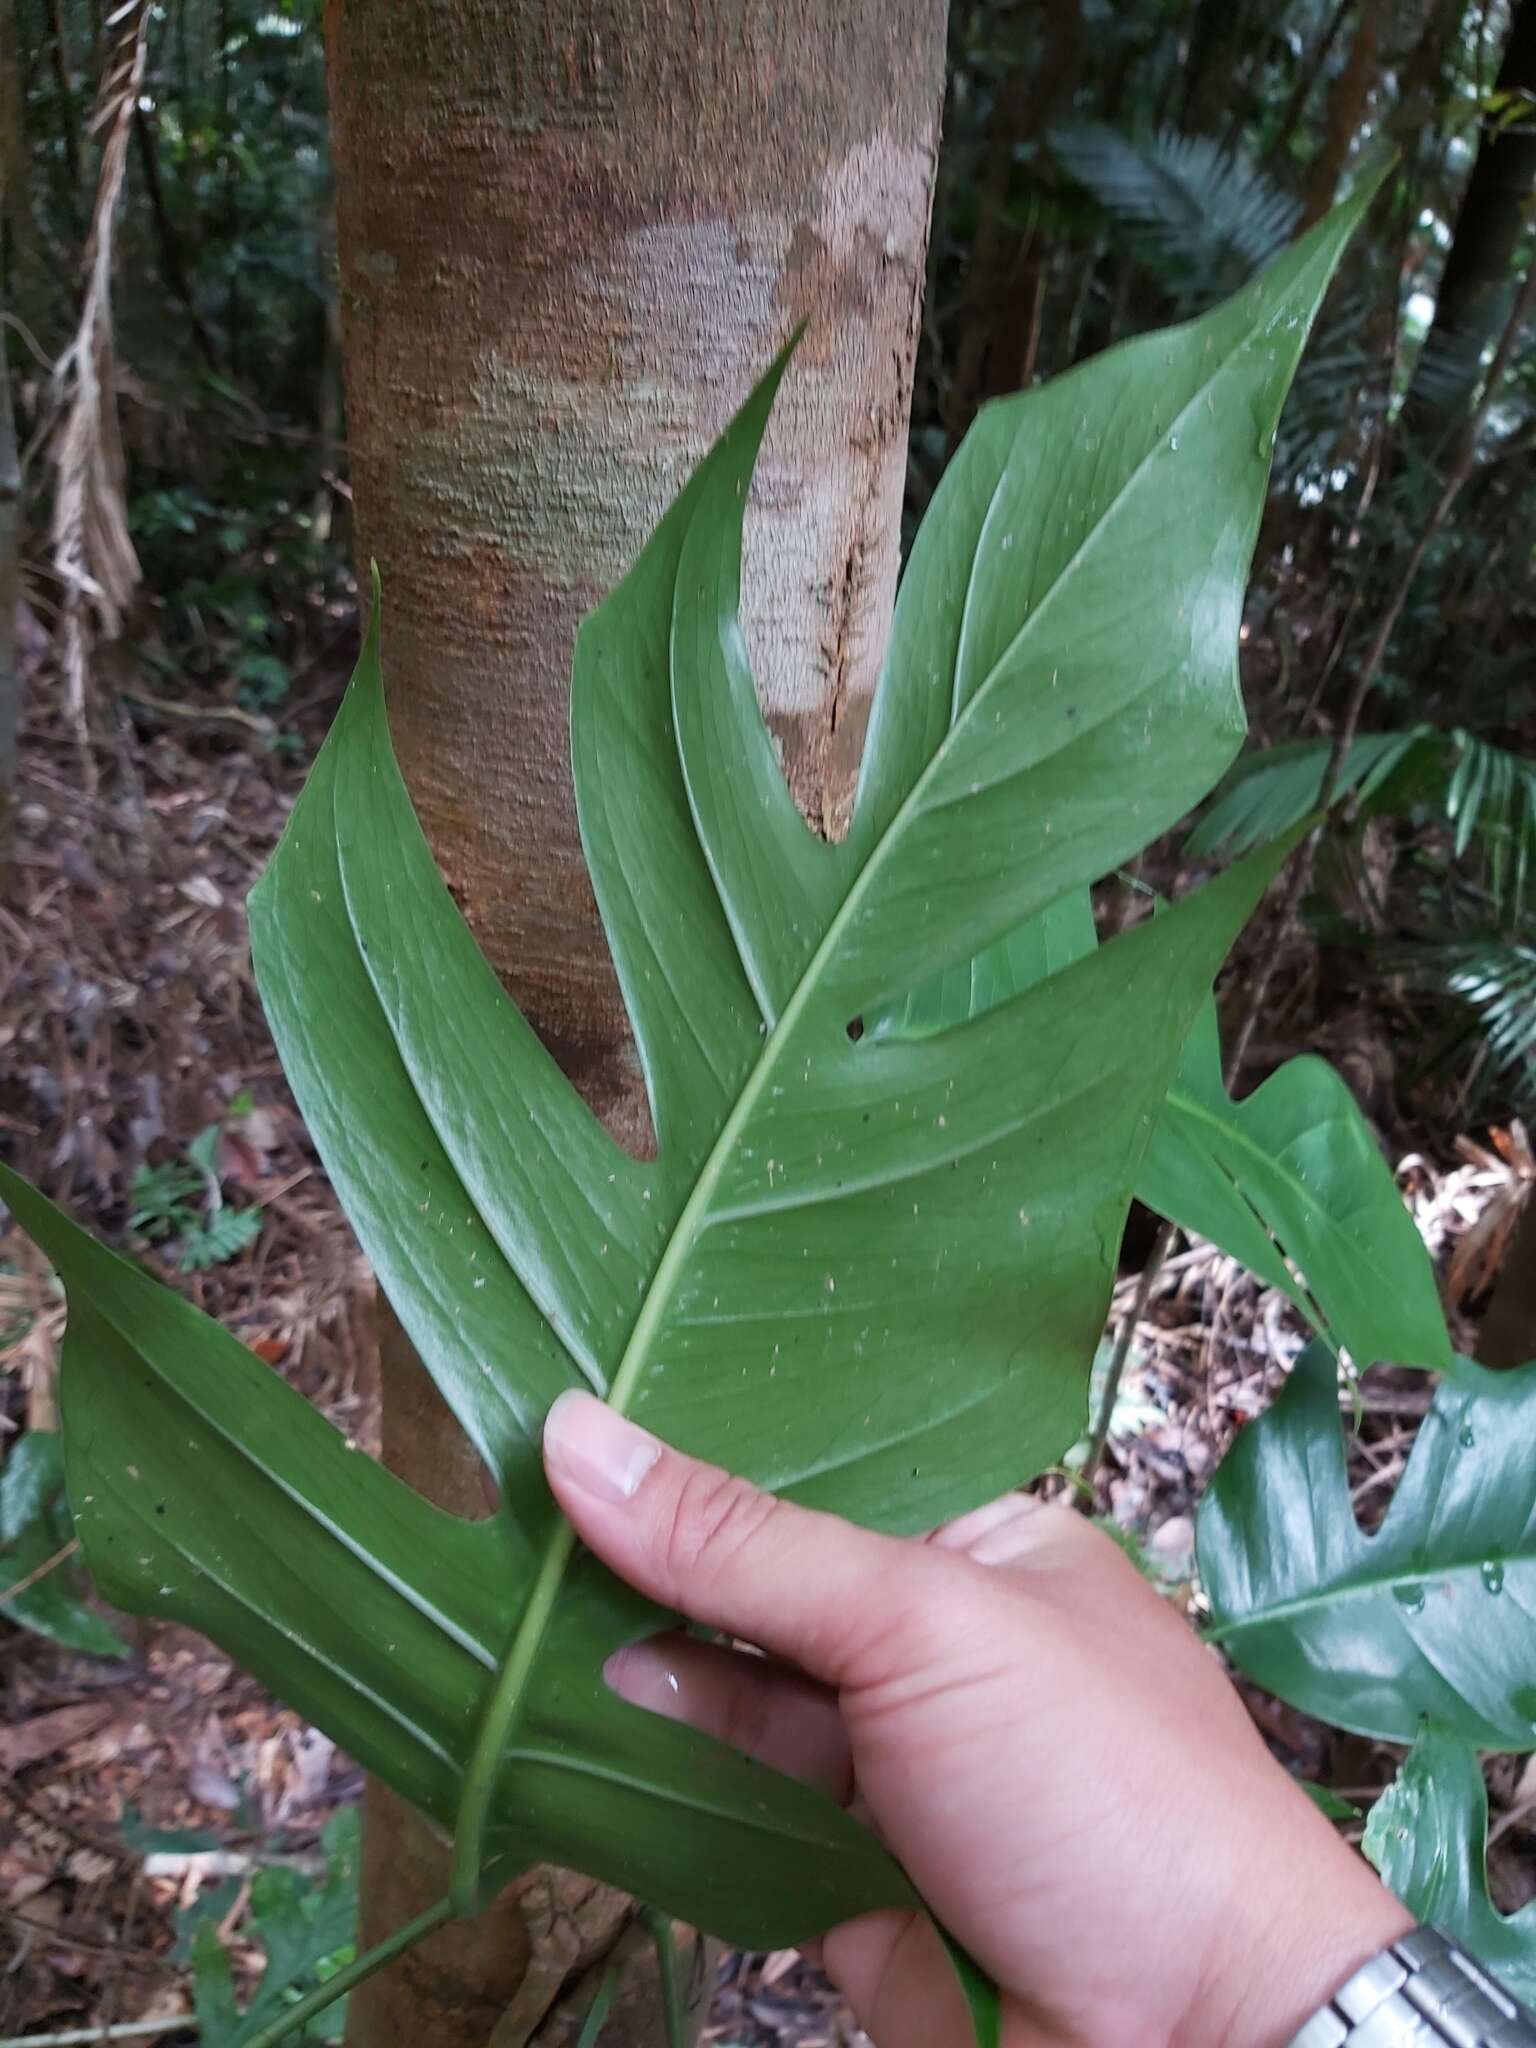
572,234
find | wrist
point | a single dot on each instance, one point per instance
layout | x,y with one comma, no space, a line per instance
1290,1951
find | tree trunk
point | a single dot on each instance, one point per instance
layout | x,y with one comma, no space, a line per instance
1308,71
1348,104
10,588
1003,265
16,209
1218,37
69,107
572,234
1508,1334
1471,302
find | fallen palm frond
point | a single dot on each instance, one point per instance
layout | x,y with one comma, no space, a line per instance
93,553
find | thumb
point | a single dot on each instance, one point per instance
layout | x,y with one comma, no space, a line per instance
834,1599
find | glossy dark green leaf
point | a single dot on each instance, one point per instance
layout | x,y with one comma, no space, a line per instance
868,1272
1434,1616
34,1532
1292,1177
1328,1802
1428,1836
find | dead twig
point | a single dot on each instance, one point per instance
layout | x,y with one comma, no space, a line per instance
93,554
40,1572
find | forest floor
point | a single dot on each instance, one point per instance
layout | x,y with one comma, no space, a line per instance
140,1796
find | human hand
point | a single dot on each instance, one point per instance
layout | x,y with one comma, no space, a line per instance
1062,1769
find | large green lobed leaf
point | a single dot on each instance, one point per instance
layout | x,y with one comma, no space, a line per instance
1292,1182
1434,1616
1428,1836
34,1551
867,1272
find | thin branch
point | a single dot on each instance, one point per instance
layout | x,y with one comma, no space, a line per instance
40,1571
120,1952
129,2030
1125,1337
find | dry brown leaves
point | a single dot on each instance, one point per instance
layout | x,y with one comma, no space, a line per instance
127,1021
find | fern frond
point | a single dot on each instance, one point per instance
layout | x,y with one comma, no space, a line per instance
1203,216
226,1232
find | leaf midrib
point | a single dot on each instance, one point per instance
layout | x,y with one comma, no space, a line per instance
1231,1128
501,1712
1371,1587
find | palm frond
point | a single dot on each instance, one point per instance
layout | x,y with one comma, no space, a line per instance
1270,792
1497,979
1487,794
1204,217
1449,370
1330,390
1491,796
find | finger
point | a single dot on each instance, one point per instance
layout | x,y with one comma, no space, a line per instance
839,1601
1002,1532
892,1969
753,1703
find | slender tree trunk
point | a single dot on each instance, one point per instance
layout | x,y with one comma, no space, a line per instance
16,208
10,591
1217,39
1003,266
1348,104
1308,72
1508,1335
69,105
173,265
1480,270
572,233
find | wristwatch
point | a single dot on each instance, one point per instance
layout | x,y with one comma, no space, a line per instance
1422,1992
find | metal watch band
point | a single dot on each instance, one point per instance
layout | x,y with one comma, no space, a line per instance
1422,1992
